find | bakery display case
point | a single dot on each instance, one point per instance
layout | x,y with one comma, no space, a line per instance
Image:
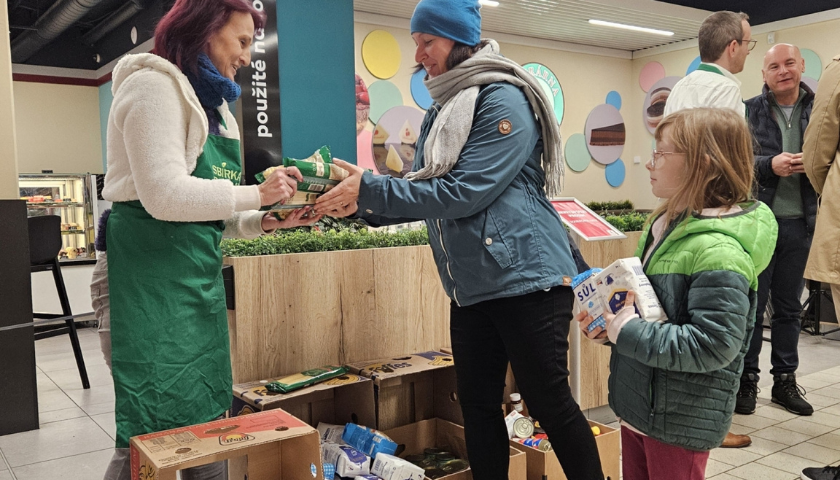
73,198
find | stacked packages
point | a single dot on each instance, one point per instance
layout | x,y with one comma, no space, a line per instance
320,175
348,451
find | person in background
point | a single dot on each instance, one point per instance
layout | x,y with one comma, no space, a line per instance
487,149
725,41
173,177
672,383
778,119
819,154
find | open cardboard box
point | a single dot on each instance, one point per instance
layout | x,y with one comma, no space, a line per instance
440,433
344,399
412,388
545,466
277,445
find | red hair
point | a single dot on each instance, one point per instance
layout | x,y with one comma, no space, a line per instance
184,32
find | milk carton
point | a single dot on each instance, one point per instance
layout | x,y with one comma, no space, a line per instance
600,291
389,467
347,460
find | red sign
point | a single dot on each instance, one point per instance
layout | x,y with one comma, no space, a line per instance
584,221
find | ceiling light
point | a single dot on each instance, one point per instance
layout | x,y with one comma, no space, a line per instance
631,27
489,3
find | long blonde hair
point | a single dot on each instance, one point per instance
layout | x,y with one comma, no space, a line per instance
718,160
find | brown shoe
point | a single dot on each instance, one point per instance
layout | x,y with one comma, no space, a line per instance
736,441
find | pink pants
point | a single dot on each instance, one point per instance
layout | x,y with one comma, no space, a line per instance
644,458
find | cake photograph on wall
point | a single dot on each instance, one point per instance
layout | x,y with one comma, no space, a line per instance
605,134
657,97
395,139
362,105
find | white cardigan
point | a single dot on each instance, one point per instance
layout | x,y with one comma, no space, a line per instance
156,132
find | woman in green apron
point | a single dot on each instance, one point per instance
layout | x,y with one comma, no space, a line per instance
173,175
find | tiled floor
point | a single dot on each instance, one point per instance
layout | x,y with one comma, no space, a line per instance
76,438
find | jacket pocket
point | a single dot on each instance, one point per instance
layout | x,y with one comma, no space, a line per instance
494,242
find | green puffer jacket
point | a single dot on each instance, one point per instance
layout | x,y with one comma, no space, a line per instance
676,381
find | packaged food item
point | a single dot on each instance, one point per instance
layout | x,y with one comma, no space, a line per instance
329,468
366,477
369,441
389,467
541,444
516,403
622,276
305,379
519,425
330,433
587,297
317,169
596,430
347,460
605,291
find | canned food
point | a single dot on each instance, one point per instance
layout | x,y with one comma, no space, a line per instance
434,451
415,459
434,472
539,443
523,427
445,457
452,466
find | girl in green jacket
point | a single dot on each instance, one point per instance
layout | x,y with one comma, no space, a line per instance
673,383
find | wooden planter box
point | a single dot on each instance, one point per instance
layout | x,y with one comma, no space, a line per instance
299,311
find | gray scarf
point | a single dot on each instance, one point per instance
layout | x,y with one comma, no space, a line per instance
457,89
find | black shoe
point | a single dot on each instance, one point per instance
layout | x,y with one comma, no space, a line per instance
817,473
789,395
745,399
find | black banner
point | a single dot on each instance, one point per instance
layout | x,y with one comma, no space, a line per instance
260,99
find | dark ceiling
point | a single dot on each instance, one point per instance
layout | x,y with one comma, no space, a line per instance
762,11
85,34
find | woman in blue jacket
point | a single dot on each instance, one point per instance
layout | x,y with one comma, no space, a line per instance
487,148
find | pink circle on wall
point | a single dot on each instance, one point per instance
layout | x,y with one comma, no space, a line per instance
651,73
364,150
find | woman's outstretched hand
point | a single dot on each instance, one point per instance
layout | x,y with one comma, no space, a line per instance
344,196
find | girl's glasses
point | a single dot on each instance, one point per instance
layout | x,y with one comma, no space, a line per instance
657,156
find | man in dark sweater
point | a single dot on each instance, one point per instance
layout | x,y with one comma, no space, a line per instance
778,118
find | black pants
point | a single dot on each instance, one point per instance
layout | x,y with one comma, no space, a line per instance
531,332
783,279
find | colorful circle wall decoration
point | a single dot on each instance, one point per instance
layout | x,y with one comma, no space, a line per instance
577,155
614,99
654,107
381,54
812,84
394,140
384,95
693,65
551,86
813,64
651,73
419,91
615,173
605,134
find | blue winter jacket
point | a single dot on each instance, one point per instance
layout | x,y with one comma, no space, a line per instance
492,230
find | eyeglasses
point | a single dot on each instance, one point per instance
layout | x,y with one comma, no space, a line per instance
657,156
751,43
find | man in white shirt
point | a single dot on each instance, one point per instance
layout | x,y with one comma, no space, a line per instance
725,41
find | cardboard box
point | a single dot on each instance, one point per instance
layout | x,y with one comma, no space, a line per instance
344,399
439,433
412,388
545,466
277,445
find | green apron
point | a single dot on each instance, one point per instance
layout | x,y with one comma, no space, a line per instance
169,333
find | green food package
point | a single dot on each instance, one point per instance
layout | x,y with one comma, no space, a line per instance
305,379
322,155
317,170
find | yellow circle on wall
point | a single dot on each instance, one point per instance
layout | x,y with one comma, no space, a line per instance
381,54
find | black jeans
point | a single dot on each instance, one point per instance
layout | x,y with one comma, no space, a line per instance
531,332
783,279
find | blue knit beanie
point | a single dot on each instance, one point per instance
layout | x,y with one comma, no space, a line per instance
458,20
